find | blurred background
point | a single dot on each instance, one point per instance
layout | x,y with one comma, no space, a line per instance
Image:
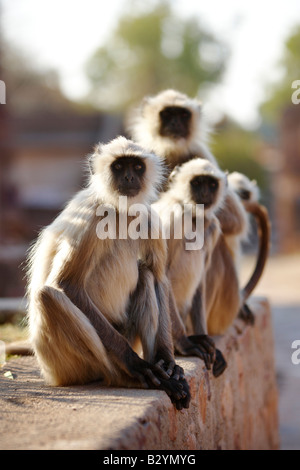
72,70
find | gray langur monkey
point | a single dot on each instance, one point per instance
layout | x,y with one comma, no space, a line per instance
246,189
172,125
92,298
196,182
249,194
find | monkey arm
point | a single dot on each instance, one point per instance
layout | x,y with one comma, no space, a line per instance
154,252
198,311
199,345
204,342
178,328
164,338
149,320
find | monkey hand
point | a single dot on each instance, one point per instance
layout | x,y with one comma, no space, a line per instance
201,346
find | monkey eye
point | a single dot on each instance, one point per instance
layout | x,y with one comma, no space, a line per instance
214,185
185,113
138,167
165,113
118,166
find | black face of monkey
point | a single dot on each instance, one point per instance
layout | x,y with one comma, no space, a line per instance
175,122
128,174
204,189
244,194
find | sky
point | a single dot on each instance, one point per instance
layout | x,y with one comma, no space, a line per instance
62,34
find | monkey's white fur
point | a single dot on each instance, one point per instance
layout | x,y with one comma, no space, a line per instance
238,181
104,156
101,273
186,269
197,166
223,298
143,126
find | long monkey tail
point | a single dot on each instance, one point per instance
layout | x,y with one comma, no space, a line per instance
264,232
19,348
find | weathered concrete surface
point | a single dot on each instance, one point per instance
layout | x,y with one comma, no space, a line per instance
236,411
280,283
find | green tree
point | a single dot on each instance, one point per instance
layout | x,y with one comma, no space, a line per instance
279,94
151,51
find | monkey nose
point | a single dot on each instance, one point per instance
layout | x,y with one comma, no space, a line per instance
129,178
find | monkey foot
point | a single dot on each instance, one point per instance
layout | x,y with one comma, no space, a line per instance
203,347
170,368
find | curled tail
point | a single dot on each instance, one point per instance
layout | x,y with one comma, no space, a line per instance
20,348
264,230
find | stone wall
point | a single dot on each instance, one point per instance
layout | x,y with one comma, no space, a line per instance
235,411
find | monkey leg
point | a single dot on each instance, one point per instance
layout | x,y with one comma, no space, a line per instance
164,337
223,296
143,314
71,349
147,320
183,345
67,346
200,340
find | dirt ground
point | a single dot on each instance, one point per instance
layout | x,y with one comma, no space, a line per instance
281,284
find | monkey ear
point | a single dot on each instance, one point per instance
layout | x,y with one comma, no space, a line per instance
199,106
98,149
174,172
226,178
91,157
144,102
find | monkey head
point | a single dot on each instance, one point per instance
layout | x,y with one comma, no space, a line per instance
123,168
247,190
170,123
198,181
175,122
128,175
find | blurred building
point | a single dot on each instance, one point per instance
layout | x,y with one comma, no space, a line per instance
43,163
283,161
286,183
